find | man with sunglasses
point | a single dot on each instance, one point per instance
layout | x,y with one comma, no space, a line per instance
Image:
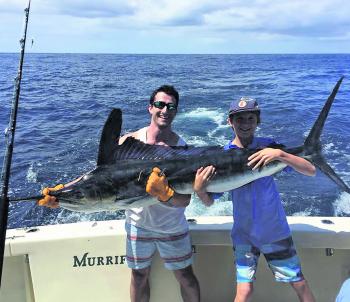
162,226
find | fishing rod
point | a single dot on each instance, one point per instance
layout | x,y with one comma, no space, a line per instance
9,137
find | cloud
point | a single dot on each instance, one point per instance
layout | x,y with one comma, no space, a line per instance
292,18
297,18
321,18
74,8
94,9
12,6
195,21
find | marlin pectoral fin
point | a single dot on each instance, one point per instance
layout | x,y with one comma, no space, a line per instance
109,136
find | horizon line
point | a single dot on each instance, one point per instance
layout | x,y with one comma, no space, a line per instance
124,53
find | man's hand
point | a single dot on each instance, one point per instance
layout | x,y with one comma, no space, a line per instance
48,200
157,186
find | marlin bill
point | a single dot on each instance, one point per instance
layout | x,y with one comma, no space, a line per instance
120,177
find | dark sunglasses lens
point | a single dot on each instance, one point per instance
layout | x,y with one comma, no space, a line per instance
171,106
161,105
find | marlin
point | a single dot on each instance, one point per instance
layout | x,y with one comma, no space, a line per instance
120,177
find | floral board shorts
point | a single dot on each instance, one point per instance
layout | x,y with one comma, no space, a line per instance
281,257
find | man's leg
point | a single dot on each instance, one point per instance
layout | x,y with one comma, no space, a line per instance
244,292
139,286
188,283
176,252
139,253
303,291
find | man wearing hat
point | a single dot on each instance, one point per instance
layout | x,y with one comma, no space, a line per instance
260,224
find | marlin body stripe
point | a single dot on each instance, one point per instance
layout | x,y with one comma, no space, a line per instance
119,180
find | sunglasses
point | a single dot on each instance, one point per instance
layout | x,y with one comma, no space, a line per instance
161,105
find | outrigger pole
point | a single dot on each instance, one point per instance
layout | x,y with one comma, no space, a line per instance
9,137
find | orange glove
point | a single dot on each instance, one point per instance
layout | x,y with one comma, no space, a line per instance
48,200
157,186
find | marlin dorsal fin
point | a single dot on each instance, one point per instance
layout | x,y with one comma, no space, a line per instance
109,137
135,149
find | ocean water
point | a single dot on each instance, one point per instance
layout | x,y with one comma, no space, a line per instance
65,99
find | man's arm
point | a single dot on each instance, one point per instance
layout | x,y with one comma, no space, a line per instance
267,155
180,200
124,137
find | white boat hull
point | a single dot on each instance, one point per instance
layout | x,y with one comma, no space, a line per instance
86,262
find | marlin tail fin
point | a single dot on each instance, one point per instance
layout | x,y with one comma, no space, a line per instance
312,145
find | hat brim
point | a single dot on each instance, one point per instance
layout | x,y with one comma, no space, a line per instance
243,110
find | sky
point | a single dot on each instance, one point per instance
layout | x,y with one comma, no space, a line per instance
178,26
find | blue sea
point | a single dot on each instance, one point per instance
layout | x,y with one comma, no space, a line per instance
65,99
